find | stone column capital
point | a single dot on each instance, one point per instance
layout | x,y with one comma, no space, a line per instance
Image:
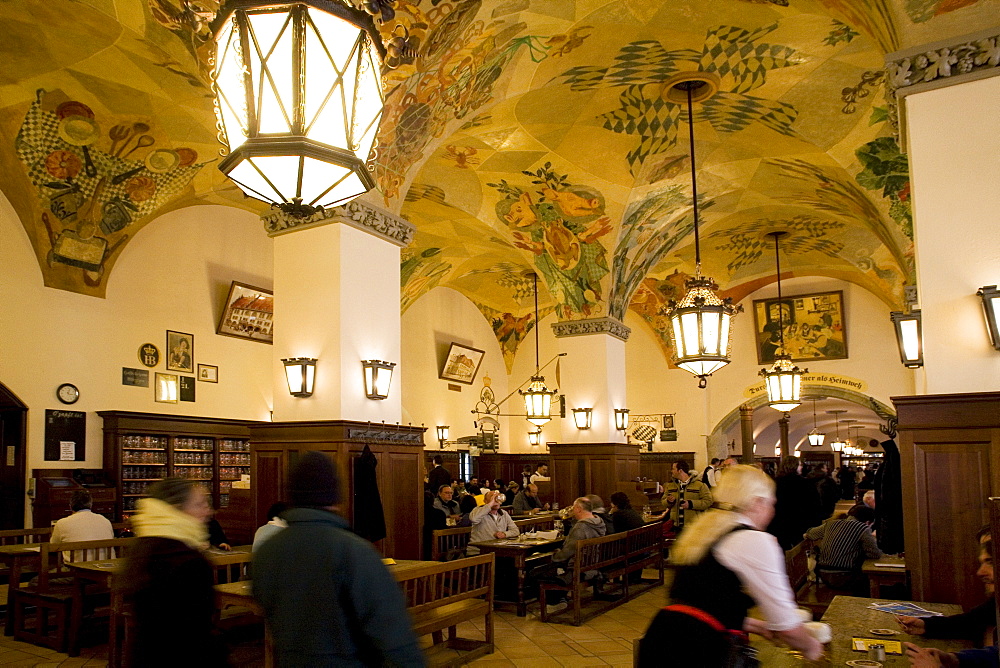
357,214
609,325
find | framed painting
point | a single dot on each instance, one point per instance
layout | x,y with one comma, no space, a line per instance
180,351
248,314
462,363
814,327
167,388
208,373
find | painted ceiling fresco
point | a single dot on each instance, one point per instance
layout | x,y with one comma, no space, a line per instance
524,136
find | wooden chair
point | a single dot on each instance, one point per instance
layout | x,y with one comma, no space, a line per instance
231,567
537,523
441,596
450,544
49,613
606,553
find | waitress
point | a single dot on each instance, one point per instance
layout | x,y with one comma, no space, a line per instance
726,565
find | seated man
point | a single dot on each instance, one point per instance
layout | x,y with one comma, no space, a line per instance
527,501
473,486
623,516
976,625
445,511
83,524
585,525
273,526
597,507
489,521
844,545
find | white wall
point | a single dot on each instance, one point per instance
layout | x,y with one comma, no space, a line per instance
954,150
174,274
429,326
655,388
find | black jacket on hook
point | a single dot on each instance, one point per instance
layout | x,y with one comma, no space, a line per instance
369,518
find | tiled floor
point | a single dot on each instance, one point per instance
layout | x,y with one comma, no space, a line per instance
524,642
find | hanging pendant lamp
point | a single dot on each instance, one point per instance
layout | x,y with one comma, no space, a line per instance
816,437
837,445
701,322
537,398
783,379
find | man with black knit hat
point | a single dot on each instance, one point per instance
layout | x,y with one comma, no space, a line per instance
327,597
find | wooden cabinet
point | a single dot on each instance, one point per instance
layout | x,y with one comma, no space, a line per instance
275,448
141,448
950,463
591,468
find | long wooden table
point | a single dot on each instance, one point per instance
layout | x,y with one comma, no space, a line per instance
517,550
894,572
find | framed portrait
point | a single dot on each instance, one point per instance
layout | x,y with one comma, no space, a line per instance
813,327
462,363
180,351
167,388
668,421
208,373
248,314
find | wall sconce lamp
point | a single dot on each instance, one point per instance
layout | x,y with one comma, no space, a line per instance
442,434
583,417
909,337
300,372
991,307
378,376
621,419
535,437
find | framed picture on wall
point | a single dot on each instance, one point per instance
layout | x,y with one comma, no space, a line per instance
180,352
462,363
813,326
208,373
167,388
248,314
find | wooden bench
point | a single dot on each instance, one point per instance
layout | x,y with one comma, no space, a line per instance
231,567
450,544
813,596
643,549
545,523
43,614
605,553
442,596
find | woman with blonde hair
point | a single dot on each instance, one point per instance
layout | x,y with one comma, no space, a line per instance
726,565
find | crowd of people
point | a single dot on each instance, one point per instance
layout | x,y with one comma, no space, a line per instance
329,600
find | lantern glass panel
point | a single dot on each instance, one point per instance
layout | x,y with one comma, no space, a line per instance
270,59
710,332
689,325
909,330
383,378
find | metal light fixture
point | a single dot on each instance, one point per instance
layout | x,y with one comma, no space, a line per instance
583,417
816,437
300,373
621,419
298,94
378,377
991,308
783,379
442,434
537,398
909,337
837,445
777,449
535,437
701,322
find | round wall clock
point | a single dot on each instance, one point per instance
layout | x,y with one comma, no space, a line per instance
68,393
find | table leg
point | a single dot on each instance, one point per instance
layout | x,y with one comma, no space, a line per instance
76,616
874,587
522,577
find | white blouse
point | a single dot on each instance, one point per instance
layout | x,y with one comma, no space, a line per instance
759,563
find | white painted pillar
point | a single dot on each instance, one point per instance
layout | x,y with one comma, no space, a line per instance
593,376
336,288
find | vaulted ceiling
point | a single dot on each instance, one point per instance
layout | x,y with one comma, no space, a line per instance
526,135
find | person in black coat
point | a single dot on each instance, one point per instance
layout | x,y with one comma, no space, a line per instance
827,487
798,506
167,582
623,515
438,476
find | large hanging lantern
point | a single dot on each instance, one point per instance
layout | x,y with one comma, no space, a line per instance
783,380
299,100
537,398
701,322
816,437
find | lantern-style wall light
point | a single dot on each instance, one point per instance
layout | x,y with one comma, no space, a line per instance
537,398
298,94
378,377
621,419
442,434
991,308
909,337
583,417
300,372
535,437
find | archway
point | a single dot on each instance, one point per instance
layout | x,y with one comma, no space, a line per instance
13,457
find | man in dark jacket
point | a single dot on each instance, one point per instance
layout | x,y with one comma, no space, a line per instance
438,475
826,486
327,597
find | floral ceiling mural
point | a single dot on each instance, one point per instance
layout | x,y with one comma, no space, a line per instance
519,136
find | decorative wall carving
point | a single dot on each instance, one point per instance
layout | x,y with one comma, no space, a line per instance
593,326
355,213
386,434
965,57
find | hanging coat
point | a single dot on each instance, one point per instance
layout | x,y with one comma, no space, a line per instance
369,519
889,501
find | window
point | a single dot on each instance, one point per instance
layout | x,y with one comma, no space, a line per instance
464,466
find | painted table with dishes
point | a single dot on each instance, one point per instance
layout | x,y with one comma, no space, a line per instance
521,553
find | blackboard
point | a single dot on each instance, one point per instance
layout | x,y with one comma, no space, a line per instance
65,431
186,388
135,377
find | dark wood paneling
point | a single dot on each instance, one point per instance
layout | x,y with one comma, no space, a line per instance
656,465
950,463
268,482
590,468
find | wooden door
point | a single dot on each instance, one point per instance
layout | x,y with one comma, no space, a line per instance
13,417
